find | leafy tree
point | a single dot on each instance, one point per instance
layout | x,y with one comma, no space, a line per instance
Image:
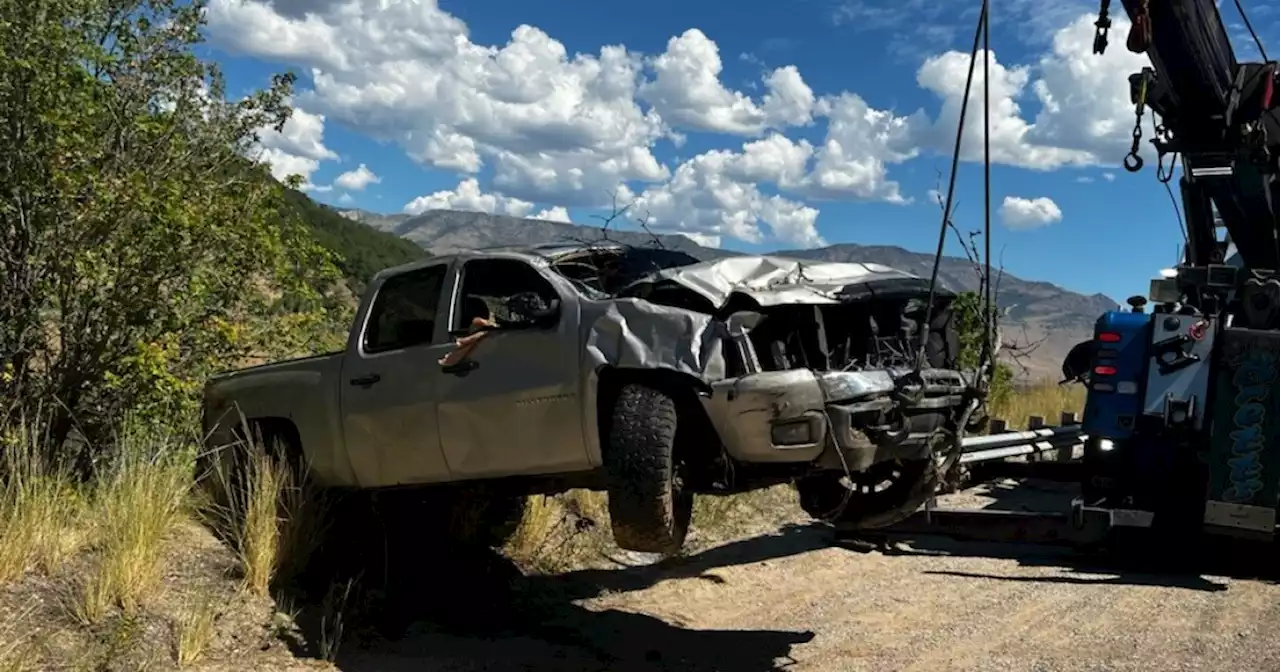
140,247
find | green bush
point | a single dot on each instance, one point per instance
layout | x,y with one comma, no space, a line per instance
142,248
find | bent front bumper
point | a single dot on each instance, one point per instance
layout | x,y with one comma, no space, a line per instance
789,416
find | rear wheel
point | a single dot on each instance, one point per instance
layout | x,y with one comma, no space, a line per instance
649,507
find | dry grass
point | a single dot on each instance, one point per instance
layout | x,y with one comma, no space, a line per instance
272,517
41,512
560,531
258,534
135,505
194,631
333,617
1047,400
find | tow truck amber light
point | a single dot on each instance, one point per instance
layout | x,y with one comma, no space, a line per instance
1109,337
1104,370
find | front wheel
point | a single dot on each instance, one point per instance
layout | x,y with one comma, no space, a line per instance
649,507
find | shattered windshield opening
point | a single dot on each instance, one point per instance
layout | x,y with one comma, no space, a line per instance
602,272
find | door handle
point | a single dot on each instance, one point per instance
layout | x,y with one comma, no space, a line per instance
366,381
462,368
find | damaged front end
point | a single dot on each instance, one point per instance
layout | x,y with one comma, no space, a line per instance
821,382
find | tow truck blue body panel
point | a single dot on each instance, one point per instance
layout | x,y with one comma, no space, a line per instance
1115,400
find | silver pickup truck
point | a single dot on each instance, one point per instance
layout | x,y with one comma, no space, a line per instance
642,372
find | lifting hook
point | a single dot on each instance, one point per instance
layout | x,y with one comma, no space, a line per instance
1103,25
1138,84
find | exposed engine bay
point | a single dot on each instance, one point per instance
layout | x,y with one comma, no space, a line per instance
823,316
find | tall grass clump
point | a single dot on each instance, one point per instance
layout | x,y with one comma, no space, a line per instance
268,511
194,631
259,532
139,497
561,531
40,508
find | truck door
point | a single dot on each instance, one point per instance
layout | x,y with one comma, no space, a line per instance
389,379
515,406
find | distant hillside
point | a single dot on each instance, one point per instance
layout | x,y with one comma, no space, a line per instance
377,221
444,231
1038,312
361,251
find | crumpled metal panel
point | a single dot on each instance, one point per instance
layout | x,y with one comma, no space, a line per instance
633,333
851,385
744,410
775,280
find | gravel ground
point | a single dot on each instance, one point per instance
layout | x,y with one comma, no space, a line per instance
793,600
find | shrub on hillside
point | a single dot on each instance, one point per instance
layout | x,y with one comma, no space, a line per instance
143,248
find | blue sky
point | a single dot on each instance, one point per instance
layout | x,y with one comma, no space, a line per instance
850,105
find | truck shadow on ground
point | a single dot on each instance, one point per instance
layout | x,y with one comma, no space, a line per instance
1137,558
1121,566
472,609
790,540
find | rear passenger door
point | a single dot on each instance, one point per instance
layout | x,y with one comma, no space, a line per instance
389,380
516,409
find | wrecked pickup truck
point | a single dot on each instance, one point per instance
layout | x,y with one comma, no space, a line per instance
642,372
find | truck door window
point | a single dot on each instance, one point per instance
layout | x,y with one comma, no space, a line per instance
488,286
404,312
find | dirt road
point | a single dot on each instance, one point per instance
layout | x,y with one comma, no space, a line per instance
792,600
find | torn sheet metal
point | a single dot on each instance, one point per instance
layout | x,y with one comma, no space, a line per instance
771,280
633,333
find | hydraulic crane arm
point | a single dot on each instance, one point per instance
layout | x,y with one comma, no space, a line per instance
1218,115
1193,61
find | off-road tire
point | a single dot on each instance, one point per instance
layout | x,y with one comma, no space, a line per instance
649,508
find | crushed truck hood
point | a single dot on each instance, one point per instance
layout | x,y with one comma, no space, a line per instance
771,280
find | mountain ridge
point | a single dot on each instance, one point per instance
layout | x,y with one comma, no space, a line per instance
1036,312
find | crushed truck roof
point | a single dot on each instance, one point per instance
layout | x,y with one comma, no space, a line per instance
774,280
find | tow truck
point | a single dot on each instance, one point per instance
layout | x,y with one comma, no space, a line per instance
1181,427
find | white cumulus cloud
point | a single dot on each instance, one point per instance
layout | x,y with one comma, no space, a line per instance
1029,213
468,196
566,129
553,214
550,122
358,179
714,194
687,90
297,148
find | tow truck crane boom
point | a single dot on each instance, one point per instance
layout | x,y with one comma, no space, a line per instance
1218,115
